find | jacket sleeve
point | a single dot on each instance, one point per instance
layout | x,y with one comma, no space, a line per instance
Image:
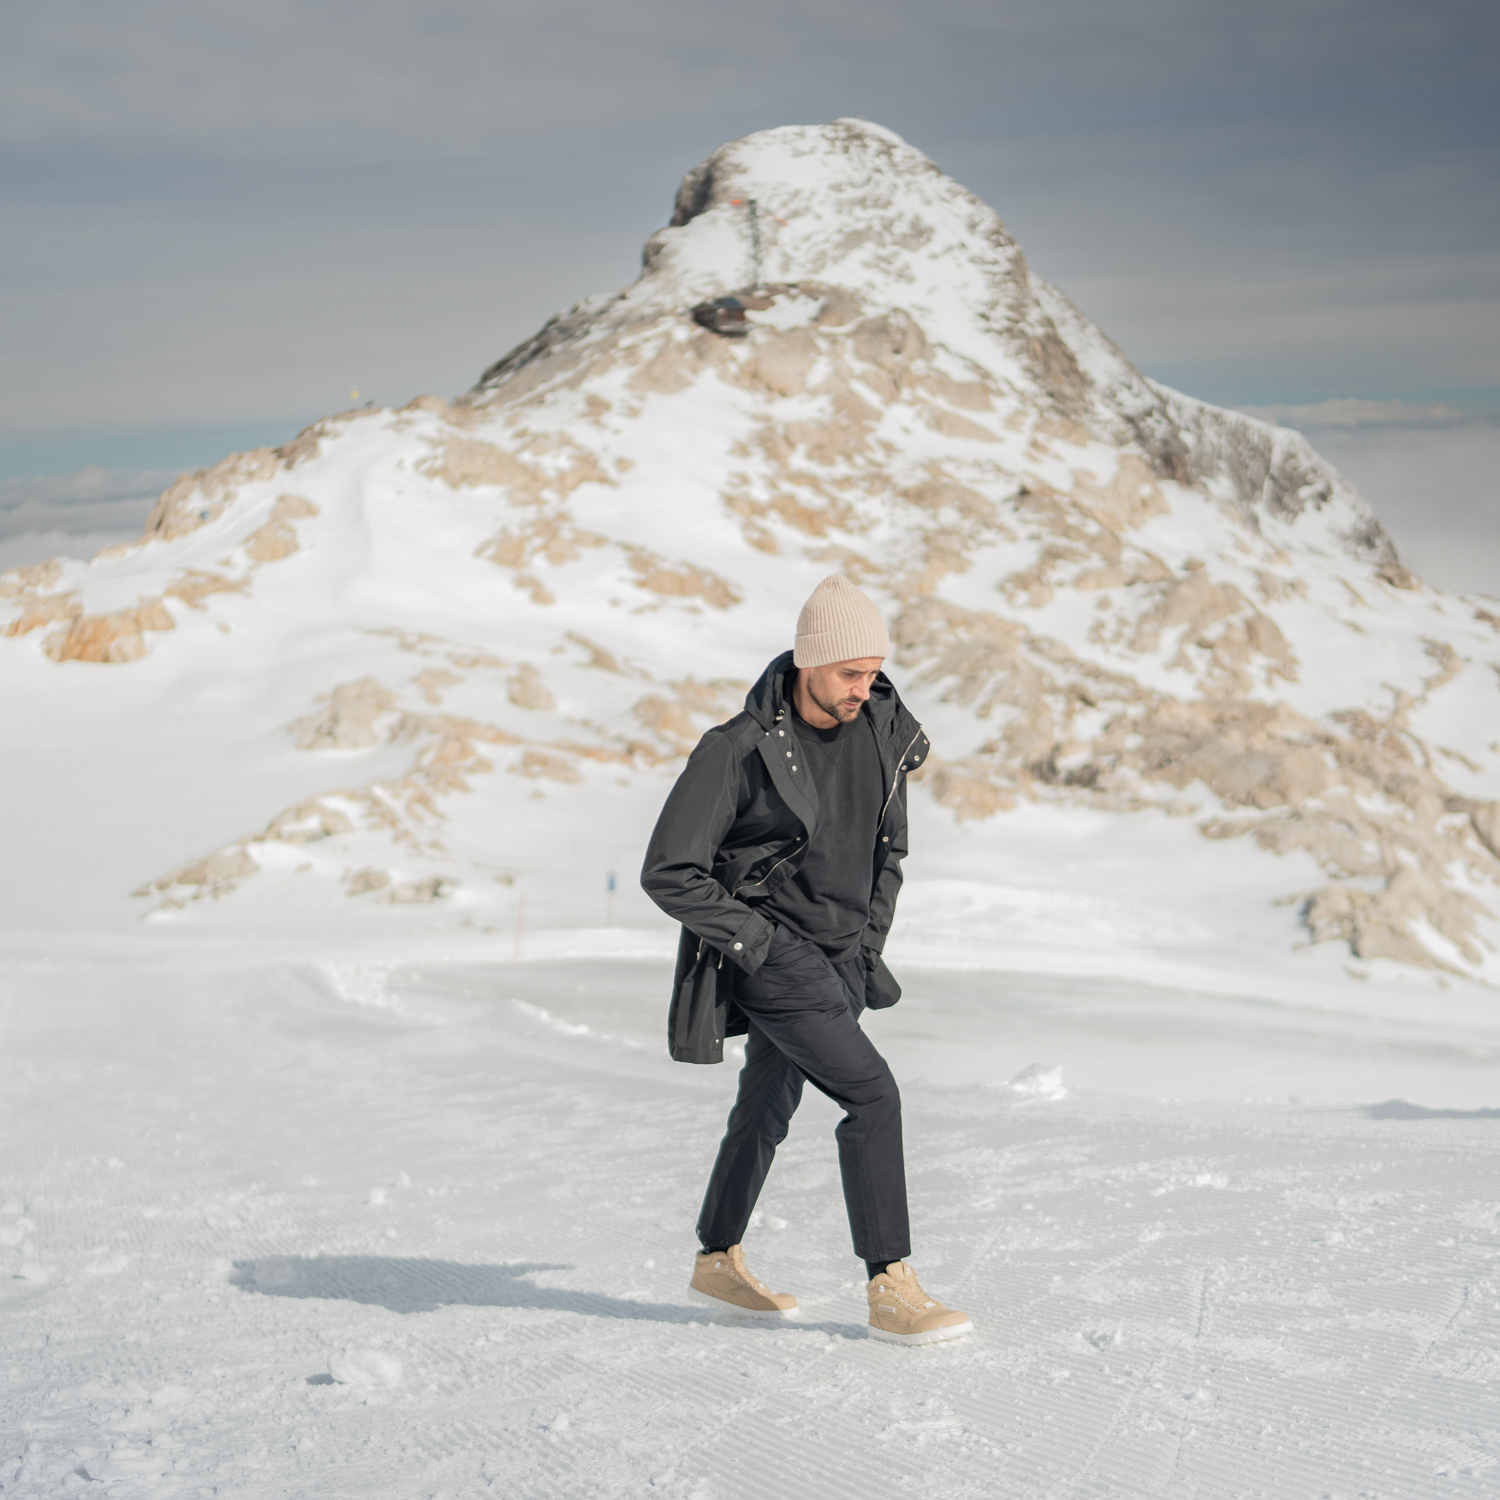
677,874
888,885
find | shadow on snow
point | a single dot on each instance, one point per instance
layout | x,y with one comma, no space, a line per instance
411,1286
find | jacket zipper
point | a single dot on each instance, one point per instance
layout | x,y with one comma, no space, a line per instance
769,873
899,769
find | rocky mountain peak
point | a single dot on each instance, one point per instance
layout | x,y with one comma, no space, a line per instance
850,208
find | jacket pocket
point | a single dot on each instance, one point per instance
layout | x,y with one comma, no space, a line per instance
783,942
881,988
695,1024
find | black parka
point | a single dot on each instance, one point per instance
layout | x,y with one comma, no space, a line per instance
735,826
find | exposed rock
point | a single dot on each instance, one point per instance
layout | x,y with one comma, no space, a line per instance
549,764
1358,801
840,307
598,657
680,715
432,681
673,368
278,537
115,637
193,500
782,363
547,537
36,578
420,892
1398,577
428,403
309,821
46,609
120,635
194,586
348,723
214,875
1486,820
405,808
527,690
544,469
1381,924
681,580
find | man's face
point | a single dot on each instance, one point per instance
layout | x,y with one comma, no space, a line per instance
842,688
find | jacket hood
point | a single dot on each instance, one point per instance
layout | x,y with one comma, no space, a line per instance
771,696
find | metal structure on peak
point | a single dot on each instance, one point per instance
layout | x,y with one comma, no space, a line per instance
752,212
722,315
727,315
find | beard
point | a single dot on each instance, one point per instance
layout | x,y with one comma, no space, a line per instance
845,712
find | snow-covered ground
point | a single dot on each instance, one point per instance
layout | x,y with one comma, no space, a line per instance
295,1223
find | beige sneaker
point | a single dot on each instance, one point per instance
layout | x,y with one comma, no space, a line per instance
723,1280
901,1312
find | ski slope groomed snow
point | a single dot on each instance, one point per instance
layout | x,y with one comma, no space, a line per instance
288,1224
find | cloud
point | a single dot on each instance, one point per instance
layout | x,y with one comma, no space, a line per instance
1351,411
1435,487
90,501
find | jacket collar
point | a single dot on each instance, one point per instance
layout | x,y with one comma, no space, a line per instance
771,699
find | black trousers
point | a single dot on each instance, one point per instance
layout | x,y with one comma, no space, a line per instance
804,1024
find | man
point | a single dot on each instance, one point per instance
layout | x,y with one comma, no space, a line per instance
779,850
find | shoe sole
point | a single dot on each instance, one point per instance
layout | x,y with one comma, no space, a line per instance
932,1336
768,1315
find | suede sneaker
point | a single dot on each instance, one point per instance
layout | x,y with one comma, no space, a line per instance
902,1313
721,1278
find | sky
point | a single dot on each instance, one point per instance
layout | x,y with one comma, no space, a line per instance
221,220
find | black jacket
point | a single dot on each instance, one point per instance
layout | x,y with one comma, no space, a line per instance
736,825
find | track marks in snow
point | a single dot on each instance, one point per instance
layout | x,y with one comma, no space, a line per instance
1169,1301
1190,1389
1460,1302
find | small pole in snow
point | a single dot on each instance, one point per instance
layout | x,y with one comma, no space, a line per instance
520,922
754,209
609,887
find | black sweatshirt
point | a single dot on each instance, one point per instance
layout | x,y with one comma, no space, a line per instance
828,900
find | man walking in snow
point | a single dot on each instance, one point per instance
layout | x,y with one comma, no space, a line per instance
779,850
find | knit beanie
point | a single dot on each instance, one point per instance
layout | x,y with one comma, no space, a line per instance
838,623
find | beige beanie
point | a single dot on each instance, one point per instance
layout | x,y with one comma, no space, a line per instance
838,623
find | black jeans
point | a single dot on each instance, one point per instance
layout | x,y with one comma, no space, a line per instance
804,1023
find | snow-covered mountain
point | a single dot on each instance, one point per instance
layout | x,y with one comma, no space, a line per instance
1183,697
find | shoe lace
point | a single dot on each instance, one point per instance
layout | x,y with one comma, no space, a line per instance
913,1285
746,1279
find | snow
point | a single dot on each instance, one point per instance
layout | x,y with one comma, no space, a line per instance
266,1235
